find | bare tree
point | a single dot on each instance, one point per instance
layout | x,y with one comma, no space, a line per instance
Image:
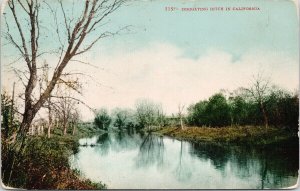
74,120
147,113
72,34
43,82
180,114
65,107
259,91
161,118
62,92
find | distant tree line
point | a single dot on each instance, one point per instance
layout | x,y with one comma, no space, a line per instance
276,107
146,114
261,104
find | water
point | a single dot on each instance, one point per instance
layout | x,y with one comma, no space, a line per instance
125,161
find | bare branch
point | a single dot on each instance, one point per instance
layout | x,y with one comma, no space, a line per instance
92,16
78,100
81,27
12,8
37,25
86,63
54,15
10,39
23,7
14,61
65,20
70,84
19,76
103,35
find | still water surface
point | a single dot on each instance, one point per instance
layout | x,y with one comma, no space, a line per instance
123,160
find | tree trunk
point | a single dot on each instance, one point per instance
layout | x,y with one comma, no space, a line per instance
38,130
26,122
12,108
74,128
50,122
30,109
42,129
181,123
264,114
49,130
32,130
65,128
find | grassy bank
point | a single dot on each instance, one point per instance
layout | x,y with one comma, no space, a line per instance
253,135
44,163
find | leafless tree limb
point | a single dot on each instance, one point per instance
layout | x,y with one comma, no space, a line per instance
26,55
82,62
77,29
78,100
17,72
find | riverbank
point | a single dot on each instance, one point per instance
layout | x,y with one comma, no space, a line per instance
252,135
44,164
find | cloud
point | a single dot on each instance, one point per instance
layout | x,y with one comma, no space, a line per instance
160,73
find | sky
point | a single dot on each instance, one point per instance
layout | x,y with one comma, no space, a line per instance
180,57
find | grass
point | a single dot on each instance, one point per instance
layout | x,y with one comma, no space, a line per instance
254,135
44,163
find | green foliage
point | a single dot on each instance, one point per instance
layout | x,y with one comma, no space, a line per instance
102,120
5,112
283,109
218,111
123,119
44,164
214,112
196,114
8,123
240,109
120,121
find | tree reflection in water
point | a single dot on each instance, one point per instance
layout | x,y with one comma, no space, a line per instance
151,151
103,144
174,163
183,170
274,163
117,142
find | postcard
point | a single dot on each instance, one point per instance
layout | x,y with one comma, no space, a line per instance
152,94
